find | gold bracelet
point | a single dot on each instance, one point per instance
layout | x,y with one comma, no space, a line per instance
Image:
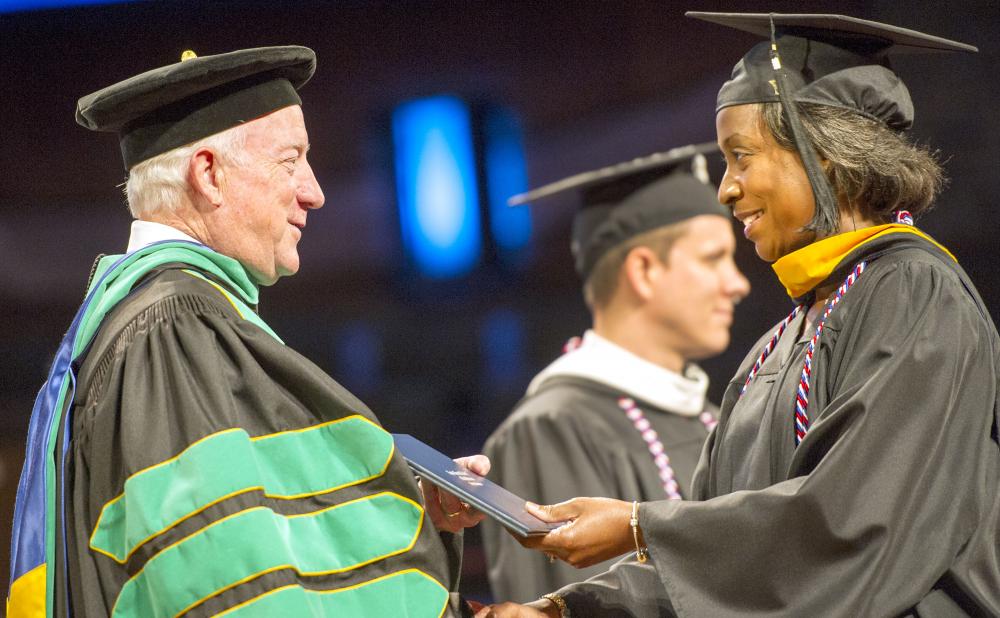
641,553
559,603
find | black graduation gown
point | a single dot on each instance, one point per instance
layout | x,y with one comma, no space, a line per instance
174,369
570,438
891,504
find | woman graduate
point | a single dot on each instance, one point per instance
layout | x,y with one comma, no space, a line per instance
855,470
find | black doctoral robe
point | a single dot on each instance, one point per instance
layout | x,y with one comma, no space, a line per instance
571,438
891,504
177,396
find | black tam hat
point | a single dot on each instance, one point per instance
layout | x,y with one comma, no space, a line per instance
628,199
171,106
828,60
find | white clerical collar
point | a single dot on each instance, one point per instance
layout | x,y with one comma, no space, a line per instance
145,233
607,363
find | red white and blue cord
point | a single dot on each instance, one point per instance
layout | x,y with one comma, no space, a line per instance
802,393
770,347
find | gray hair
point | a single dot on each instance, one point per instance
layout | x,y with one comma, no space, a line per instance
871,167
161,184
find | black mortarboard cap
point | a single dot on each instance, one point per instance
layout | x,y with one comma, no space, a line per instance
171,106
827,59
621,201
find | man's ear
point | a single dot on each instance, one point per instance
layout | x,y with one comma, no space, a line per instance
206,177
639,271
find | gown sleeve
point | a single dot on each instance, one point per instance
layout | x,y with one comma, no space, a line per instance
896,474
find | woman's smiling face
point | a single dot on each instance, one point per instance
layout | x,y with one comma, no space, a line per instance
765,185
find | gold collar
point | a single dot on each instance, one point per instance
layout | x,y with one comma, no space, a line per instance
802,270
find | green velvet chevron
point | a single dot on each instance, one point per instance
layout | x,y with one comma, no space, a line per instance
286,465
336,539
406,594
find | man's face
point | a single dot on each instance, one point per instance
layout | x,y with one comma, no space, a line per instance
696,290
268,195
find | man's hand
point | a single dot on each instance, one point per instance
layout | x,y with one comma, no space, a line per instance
448,513
597,530
537,609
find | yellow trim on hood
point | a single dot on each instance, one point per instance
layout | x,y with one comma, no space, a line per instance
802,270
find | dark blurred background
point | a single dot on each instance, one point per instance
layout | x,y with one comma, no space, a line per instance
587,82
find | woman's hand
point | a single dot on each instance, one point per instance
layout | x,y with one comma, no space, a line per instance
597,529
447,512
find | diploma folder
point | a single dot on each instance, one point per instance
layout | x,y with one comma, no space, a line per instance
480,492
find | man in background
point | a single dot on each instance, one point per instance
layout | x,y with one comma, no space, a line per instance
623,414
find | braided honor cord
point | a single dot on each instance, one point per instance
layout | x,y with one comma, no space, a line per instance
652,439
769,347
802,395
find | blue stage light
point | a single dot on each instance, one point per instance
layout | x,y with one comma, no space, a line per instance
506,175
436,185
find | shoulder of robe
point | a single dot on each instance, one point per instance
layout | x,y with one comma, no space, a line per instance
160,297
923,274
562,404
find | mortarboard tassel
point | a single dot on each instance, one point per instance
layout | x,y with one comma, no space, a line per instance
826,218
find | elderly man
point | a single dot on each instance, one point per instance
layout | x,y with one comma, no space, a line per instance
624,414
181,458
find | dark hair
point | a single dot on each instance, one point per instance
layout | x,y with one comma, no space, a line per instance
870,166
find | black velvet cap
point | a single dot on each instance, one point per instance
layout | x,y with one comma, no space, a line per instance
621,201
827,59
174,105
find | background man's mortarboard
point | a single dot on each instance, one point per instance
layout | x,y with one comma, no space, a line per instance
621,201
178,104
